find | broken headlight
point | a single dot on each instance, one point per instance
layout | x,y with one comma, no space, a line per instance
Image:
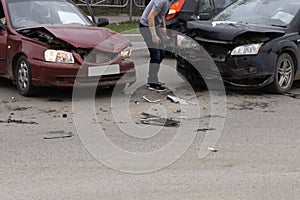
249,49
185,42
58,56
126,53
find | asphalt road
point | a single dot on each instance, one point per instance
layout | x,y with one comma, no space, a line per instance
46,152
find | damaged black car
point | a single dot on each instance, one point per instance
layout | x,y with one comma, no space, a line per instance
254,44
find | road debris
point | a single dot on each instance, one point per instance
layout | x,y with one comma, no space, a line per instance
179,111
205,129
180,101
20,108
103,110
176,100
58,135
17,121
158,120
293,95
151,101
120,122
212,149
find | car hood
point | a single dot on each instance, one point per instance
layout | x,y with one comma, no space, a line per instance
81,37
228,31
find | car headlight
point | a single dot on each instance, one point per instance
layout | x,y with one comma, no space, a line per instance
185,42
126,53
249,49
58,56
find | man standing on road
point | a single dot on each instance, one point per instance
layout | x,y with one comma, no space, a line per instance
154,32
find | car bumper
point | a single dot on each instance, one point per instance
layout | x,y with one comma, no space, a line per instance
243,71
69,75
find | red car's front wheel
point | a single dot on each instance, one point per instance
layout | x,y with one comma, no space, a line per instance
23,77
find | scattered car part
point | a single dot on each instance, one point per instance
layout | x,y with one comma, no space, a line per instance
17,121
212,149
176,100
151,101
58,135
158,120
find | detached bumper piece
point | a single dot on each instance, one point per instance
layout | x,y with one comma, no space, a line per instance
158,120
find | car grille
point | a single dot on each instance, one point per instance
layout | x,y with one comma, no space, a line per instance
218,50
96,56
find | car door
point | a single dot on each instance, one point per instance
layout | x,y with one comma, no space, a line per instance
3,39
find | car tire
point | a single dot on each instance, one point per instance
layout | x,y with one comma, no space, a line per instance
24,77
284,74
190,74
195,79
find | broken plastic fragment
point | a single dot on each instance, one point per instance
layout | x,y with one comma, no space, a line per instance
58,134
212,149
177,100
151,101
158,120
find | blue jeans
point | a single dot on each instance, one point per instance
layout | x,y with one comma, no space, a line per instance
157,53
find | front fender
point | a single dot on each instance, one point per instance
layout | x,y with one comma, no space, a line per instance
289,47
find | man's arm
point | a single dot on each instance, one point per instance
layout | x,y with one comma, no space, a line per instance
164,29
151,24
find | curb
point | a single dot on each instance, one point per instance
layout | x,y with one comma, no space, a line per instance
134,37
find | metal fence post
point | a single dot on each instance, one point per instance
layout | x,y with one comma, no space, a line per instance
130,10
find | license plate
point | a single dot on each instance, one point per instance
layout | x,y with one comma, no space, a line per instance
104,70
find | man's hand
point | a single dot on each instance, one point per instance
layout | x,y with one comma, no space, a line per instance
155,39
165,35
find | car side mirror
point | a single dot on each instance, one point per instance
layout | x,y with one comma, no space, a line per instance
204,16
102,22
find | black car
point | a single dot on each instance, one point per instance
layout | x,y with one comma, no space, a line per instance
182,11
254,43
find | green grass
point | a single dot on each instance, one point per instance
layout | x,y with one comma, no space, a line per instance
128,27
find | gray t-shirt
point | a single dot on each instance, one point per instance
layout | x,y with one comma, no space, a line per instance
160,6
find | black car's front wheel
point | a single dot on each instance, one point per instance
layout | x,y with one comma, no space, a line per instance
284,74
23,77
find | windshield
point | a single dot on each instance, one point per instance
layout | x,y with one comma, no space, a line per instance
26,13
262,12
205,6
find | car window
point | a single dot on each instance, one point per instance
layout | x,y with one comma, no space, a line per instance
204,6
28,13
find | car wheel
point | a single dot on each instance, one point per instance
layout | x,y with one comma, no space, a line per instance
195,79
23,77
190,74
284,74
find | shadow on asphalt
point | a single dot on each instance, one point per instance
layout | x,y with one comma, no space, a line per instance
65,94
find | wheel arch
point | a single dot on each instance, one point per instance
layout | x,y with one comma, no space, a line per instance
294,57
14,64
291,49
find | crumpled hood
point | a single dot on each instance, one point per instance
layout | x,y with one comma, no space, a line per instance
88,37
228,31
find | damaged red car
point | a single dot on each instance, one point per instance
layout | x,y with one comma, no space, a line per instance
254,44
54,43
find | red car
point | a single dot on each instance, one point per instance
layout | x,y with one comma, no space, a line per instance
46,42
